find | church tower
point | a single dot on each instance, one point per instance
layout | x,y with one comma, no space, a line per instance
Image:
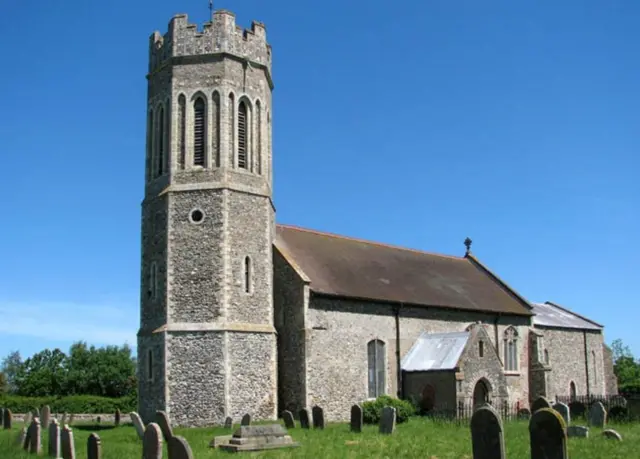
207,344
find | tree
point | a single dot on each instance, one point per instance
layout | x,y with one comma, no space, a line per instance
3,384
42,374
10,367
625,367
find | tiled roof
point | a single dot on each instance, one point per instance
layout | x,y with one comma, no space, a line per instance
341,266
552,315
435,351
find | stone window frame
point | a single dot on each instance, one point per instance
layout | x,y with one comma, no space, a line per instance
199,96
510,340
215,137
258,136
379,359
248,129
181,127
153,281
191,220
150,365
247,275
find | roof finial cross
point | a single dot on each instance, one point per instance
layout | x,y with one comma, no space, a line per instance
467,244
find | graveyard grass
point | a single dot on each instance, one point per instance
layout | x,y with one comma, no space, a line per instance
419,437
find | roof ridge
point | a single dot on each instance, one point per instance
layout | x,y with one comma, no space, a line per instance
366,241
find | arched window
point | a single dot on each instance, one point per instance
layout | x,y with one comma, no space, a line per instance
150,142
595,367
232,122
199,132
572,390
153,281
182,138
161,143
511,349
247,275
150,365
259,137
215,135
377,378
480,348
243,137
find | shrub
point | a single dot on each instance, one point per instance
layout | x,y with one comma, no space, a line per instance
79,404
372,410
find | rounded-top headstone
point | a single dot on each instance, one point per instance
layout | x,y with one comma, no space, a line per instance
152,442
548,435
179,448
487,435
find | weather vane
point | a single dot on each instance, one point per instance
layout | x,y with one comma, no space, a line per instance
467,243
211,8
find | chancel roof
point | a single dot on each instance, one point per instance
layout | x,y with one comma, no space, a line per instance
435,351
552,315
341,266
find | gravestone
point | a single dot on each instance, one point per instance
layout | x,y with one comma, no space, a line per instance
317,414
116,417
179,448
246,420
539,403
54,439
597,415
35,439
99,420
137,423
289,422
563,409
228,423
67,444
45,417
612,434
152,442
165,425
547,435
257,438
7,419
94,449
577,431
388,420
356,418
487,436
304,418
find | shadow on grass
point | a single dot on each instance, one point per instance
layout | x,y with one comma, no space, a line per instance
92,427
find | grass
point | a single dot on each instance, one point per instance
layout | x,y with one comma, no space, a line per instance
420,438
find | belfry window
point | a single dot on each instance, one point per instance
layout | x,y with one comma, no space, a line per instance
182,122
243,136
511,349
199,133
377,374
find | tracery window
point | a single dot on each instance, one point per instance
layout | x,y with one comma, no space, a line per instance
377,374
511,349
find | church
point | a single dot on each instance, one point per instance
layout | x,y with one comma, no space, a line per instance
240,315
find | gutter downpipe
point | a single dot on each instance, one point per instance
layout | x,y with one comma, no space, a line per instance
586,361
400,391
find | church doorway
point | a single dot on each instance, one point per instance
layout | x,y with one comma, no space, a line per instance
480,394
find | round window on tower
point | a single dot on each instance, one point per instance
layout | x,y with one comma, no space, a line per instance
196,216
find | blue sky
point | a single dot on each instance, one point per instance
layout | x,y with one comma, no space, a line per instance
415,123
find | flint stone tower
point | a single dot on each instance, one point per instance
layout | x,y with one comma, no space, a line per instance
207,343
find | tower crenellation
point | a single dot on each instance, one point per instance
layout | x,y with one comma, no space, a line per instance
221,35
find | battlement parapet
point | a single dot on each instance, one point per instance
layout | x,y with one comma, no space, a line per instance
221,35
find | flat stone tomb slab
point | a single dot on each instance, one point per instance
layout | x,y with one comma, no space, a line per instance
257,438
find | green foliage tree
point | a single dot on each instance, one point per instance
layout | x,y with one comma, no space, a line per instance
625,367
11,364
4,386
42,374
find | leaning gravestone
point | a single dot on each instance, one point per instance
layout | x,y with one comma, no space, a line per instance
228,423
577,431
54,439
257,438
137,423
7,419
152,442
356,419
539,403
162,419
179,448
597,415
287,417
94,448
612,434
304,418
487,436
548,436
317,414
388,420
35,439
45,417
246,420
67,444
563,409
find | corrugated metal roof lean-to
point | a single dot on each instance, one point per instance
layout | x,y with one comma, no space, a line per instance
550,315
435,351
